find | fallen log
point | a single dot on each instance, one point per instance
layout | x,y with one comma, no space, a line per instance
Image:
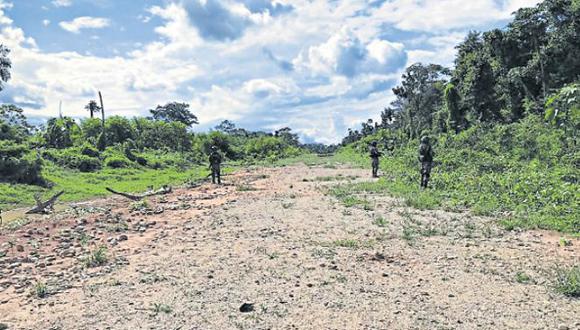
164,190
44,207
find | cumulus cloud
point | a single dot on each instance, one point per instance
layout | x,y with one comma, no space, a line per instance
216,21
221,20
4,20
318,66
274,8
282,64
344,54
84,22
62,3
433,15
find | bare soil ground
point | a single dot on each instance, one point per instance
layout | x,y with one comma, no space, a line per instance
298,259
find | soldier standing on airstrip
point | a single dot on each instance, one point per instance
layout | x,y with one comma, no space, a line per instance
375,154
215,161
426,158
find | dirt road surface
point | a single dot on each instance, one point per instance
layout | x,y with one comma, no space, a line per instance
270,250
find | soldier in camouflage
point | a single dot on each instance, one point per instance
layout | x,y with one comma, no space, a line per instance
375,154
426,158
215,161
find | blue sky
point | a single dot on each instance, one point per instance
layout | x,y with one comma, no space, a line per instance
318,66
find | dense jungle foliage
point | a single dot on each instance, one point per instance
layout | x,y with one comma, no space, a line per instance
504,124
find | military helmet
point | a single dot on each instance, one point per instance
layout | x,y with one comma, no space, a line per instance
374,143
425,139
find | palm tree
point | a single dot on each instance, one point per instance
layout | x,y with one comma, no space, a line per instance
5,66
93,107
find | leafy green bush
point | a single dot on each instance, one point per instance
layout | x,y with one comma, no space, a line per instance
75,158
18,165
156,134
117,162
90,151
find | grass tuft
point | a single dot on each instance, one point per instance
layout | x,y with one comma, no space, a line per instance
568,282
96,258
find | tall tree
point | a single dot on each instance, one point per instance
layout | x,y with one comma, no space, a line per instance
419,96
93,108
287,135
175,112
226,126
5,66
454,111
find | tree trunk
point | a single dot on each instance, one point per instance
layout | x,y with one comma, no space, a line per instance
103,118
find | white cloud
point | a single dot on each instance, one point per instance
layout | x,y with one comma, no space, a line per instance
62,3
85,22
437,15
318,66
46,22
344,54
4,20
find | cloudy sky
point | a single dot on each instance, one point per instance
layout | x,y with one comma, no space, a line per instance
318,66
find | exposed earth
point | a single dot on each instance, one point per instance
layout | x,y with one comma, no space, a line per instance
270,250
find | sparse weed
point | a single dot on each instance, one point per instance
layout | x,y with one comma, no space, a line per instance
469,229
380,221
40,290
161,308
522,277
139,205
17,223
346,243
430,231
487,231
564,242
340,278
324,253
151,278
245,187
84,239
96,258
114,282
409,234
568,281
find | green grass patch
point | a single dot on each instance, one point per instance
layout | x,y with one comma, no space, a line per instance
80,186
529,181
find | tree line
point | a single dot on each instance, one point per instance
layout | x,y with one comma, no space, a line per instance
160,140
532,67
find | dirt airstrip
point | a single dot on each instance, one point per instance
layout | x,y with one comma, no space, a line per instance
270,250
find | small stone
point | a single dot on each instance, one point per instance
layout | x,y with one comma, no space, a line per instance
247,308
123,238
563,327
19,248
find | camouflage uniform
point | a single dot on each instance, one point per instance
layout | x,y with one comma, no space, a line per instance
426,158
215,161
375,154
